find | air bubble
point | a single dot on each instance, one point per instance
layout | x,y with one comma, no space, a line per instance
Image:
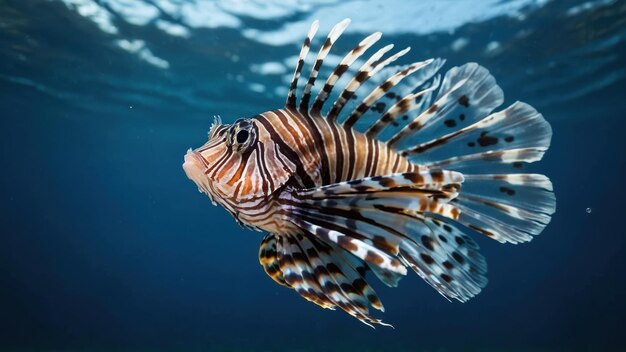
588,210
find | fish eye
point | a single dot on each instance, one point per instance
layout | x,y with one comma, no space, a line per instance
242,136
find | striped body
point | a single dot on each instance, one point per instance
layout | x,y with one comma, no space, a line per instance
330,152
338,200
316,151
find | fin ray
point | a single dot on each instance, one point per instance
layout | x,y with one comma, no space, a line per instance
304,51
323,52
467,94
381,221
321,273
509,208
340,69
367,70
424,70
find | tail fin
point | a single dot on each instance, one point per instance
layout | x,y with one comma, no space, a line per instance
458,133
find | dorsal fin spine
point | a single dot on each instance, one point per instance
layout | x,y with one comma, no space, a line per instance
323,52
382,89
341,68
372,67
364,73
304,51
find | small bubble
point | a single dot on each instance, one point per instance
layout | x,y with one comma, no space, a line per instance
131,106
588,210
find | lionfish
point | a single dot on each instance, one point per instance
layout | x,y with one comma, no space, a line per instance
341,196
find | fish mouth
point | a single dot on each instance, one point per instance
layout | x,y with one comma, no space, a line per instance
193,156
195,167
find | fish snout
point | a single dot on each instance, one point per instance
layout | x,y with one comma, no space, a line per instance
195,167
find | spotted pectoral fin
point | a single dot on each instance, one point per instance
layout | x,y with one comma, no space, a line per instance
321,273
510,208
459,132
397,222
347,213
466,95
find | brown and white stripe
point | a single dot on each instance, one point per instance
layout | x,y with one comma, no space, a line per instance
336,200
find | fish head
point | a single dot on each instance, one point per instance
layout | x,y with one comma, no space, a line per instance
239,162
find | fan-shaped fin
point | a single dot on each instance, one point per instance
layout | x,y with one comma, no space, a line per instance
467,94
507,207
381,220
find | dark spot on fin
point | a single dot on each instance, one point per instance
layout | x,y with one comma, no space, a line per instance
428,242
379,107
446,277
463,100
458,257
507,191
484,140
427,259
450,123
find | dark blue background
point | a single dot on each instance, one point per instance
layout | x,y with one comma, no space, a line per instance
106,245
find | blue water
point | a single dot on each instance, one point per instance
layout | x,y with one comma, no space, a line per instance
106,245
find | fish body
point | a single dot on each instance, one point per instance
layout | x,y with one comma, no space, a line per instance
312,151
339,195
